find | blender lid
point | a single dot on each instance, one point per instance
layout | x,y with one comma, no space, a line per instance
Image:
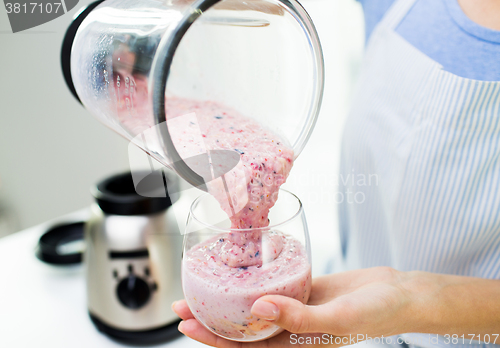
118,195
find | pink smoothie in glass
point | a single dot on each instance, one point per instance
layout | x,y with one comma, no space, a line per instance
221,296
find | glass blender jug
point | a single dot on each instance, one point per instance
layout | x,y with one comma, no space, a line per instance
126,60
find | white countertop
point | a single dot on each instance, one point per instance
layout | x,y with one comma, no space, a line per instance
45,306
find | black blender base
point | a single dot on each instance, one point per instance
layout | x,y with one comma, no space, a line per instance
139,338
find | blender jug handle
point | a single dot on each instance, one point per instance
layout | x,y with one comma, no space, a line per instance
158,85
69,37
176,161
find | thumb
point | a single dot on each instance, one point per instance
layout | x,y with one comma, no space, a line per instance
288,313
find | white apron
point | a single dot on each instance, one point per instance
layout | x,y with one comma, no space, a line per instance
420,165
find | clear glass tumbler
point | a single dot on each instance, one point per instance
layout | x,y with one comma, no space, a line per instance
224,270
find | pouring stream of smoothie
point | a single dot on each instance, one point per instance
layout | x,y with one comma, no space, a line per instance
251,188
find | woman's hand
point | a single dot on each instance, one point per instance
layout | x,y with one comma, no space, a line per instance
369,302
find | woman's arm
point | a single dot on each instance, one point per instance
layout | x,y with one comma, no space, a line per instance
448,304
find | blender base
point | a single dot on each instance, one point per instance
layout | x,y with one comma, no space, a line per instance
139,337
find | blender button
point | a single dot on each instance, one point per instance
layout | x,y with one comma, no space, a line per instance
146,271
115,273
130,269
133,292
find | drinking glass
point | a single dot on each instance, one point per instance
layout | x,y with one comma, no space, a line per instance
224,270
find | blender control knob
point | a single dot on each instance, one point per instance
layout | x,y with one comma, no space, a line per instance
133,292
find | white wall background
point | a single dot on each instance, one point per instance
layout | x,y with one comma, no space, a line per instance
313,178
52,150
